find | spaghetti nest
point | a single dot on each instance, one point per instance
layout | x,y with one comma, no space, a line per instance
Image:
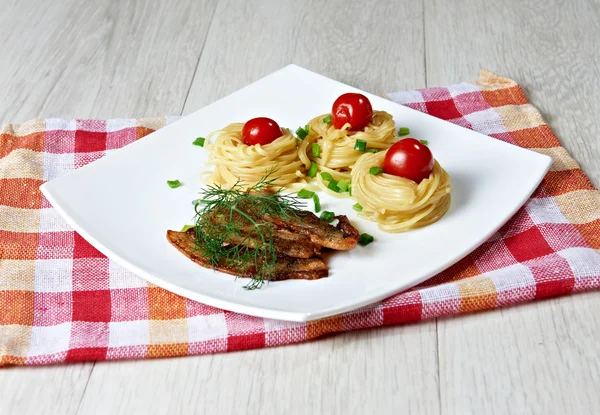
398,204
237,162
337,153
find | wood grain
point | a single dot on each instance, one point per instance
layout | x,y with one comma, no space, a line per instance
373,45
539,358
376,371
43,390
101,59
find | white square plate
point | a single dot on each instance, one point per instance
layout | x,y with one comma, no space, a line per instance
122,205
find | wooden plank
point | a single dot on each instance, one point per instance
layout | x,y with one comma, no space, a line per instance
43,390
373,45
541,357
99,59
373,371
377,371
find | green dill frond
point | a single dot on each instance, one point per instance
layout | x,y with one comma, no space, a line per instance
236,213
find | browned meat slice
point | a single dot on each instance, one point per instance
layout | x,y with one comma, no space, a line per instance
342,237
293,247
285,268
286,243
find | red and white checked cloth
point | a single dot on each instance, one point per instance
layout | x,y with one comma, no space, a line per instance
61,300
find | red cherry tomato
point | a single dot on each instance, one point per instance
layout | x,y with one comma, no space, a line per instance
260,130
409,158
351,108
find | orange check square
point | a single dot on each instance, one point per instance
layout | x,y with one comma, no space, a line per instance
16,308
164,305
505,96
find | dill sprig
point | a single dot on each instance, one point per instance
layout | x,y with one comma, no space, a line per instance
235,214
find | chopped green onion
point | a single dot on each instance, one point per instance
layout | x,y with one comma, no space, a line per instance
333,185
305,194
316,150
317,202
360,145
373,150
343,185
199,141
186,227
424,142
327,216
327,119
357,207
404,131
349,190
302,132
375,170
326,176
365,239
312,172
173,183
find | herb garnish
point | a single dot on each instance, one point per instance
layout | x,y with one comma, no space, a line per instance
375,170
238,213
403,131
173,184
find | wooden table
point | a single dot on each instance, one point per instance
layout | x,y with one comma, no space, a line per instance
102,59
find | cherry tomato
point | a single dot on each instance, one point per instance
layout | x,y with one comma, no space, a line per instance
409,158
260,130
351,108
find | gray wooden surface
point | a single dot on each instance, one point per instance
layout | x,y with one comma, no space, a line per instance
105,58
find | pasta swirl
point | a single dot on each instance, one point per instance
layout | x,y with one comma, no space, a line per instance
398,204
236,161
337,153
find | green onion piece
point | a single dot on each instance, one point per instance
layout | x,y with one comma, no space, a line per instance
317,202
365,239
404,131
186,227
302,132
357,207
424,142
312,172
316,150
199,141
375,170
343,185
327,120
326,176
305,194
173,183
360,145
327,216
333,185
373,150
349,190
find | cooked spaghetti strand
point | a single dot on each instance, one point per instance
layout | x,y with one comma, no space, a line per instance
235,161
398,204
337,153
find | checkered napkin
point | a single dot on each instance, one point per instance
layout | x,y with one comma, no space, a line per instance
62,300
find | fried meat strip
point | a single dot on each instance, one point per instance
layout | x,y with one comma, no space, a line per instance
285,268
